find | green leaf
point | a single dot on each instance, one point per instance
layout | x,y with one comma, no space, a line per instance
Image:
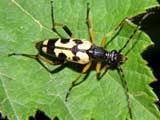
25,86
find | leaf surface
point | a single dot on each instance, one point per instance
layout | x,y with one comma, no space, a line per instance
25,86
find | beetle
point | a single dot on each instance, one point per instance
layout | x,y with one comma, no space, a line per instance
57,51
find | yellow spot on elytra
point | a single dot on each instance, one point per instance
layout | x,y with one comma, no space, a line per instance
68,53
45,42
44,49
84,58
69,44
85,45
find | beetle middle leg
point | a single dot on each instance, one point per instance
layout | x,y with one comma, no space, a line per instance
89,25
99,67
75,83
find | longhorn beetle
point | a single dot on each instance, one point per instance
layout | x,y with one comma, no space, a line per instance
58,51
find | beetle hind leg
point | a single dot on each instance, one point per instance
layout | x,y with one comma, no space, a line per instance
63,26
38,59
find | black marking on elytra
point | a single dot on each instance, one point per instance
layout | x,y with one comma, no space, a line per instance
74,49
77,41
75,58
51,46
62,56
64,40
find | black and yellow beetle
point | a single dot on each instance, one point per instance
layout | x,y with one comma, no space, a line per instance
58,51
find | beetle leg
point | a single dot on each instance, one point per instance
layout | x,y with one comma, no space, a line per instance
99,69
38,59
103,42
75,83
117,29
65,28
125,86
90,28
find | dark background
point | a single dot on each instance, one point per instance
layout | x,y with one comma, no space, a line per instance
151,26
